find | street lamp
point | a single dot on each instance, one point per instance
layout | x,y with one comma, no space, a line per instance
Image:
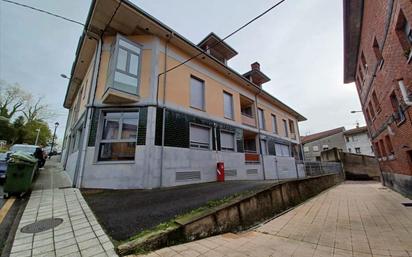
64,76
355,111
54,135
37,137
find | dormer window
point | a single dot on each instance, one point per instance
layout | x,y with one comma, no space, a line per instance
124,71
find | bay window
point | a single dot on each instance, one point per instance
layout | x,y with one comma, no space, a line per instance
124,65
119,134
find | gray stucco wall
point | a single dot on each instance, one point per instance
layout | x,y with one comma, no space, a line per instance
336,140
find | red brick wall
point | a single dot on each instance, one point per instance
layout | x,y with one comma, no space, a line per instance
384,83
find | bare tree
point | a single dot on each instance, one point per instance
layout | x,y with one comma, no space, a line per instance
35,109
12,99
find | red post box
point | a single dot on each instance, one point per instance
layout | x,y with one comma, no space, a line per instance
220,172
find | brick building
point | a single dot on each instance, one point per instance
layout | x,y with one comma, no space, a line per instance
377,57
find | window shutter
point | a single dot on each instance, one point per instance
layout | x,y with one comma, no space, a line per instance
199,134
228,105
197,93
227,140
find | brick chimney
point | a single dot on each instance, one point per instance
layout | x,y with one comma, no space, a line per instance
255,66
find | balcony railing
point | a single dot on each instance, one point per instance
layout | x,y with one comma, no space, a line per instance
252,158
248,120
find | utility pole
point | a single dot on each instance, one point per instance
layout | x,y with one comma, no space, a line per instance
37,137
54,136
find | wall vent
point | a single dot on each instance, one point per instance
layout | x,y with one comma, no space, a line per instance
187,175
231,173
252,172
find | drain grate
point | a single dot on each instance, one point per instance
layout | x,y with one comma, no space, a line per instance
407,204
41,225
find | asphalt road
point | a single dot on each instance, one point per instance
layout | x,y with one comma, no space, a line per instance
125,213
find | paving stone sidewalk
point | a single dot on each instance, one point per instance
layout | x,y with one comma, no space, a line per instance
79,235
352,219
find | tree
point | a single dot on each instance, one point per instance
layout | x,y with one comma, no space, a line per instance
35,109
12,99
30,132
7,132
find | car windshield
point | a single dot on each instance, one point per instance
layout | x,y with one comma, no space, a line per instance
24,148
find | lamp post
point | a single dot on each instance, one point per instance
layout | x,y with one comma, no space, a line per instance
355,111
64,76
54,135
37,137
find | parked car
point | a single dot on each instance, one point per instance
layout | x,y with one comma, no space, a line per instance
3,164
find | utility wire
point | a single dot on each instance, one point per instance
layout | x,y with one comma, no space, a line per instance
223,39
43,11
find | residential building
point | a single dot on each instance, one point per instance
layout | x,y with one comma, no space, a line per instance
377,58
314,144
357,141
140,116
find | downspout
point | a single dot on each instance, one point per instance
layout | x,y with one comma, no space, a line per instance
163,107
77,180
260,145
67,141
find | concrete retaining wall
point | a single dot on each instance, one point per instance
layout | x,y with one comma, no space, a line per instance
238,214
398,182
357,166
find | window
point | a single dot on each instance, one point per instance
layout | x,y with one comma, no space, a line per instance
389,144
371,109
274,124
347,139
285,127
397,109
227,141
376,102
306,149
315,148
261,119
378,53
404,33
282,150
377,149
382,148
199,137
291,126
124,66
349,150
263,147
228,105
357,150
119,133
325,147
197,93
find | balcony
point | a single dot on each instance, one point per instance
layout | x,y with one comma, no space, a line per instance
247,109
252,158
250,146
114,96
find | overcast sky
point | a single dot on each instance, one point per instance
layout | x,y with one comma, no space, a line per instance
299,45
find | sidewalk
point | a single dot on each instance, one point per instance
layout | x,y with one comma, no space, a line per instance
78,235
352,219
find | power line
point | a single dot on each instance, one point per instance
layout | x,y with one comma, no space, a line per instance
223,39
43,11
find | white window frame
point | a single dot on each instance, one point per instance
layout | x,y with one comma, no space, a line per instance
200,145
315,148
306,149
226,149
99,137
114,59
203,107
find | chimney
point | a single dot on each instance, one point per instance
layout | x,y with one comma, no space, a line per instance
255,66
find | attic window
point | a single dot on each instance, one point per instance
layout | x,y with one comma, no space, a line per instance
124,67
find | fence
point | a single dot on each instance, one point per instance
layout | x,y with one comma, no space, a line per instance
319,168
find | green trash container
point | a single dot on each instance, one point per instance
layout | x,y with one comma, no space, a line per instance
20,172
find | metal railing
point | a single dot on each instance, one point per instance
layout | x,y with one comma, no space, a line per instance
320,168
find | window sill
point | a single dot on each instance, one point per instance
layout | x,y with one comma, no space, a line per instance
202,110
114,162
228,118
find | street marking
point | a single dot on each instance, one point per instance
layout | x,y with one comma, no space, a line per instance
6,207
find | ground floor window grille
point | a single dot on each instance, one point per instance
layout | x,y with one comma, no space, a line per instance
119,133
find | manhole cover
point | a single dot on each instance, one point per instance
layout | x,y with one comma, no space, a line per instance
42,225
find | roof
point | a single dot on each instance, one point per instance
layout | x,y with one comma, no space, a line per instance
213,40
126,18
356,130
352,24
323,134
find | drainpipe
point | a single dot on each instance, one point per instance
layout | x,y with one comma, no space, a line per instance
163,108
80,165
67,141
260,145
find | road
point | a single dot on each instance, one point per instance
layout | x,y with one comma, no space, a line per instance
352,219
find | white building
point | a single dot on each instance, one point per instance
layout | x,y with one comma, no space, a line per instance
358,141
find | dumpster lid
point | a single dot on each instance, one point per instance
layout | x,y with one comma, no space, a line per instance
22,156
